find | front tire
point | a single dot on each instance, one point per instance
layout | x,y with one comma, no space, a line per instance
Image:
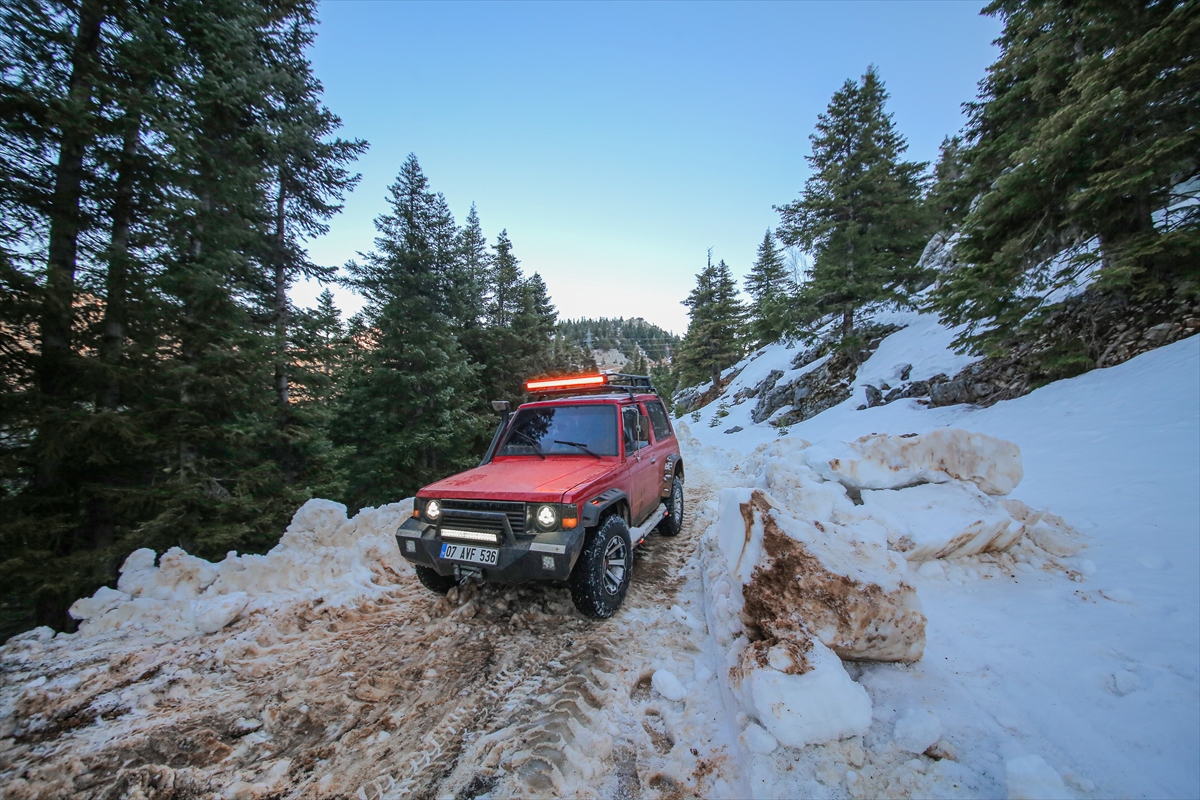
672,524
431,580
601,575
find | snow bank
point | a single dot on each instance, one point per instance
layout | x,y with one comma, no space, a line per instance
321,555
820,704
880,461
807,564
941,520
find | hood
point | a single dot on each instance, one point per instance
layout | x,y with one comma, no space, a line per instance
525,478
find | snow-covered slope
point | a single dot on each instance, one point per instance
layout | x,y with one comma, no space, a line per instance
1097,677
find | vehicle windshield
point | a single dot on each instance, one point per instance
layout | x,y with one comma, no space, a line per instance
563,430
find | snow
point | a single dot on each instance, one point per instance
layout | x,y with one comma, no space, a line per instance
942,520
917,730
1082,641
666,684
880,461
321,555
821,705
1031,778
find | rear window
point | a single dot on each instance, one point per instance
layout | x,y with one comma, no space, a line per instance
563,430
659,420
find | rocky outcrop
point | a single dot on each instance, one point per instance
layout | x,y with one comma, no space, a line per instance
1090,331
828,381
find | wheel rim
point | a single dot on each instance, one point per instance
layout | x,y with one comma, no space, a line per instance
677,507
615,557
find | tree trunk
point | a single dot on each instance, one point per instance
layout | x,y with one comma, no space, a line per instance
117,278
847,321
58,315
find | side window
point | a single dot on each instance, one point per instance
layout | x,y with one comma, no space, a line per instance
659,419
630,419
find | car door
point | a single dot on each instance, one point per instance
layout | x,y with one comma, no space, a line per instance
663,447
638,455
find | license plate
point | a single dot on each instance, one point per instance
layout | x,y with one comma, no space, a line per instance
472,553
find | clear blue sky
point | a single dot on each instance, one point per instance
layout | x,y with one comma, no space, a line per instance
617,142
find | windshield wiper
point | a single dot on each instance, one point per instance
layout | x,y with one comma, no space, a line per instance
580,445
537,448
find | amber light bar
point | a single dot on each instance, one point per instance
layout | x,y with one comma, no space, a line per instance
566,383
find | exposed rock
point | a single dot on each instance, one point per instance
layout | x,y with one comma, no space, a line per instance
874,396
765,385
1089,331
734,429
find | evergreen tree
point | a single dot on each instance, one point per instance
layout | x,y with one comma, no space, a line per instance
715,331
140,145
1086,125
770,289
411,412
946,203
860,213
504,283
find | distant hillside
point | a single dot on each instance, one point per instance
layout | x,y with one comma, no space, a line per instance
617,342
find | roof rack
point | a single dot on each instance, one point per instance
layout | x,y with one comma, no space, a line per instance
603,383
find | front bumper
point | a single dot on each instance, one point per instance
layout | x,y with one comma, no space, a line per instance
547,556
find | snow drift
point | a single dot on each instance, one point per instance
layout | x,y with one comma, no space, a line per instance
321,555
808,565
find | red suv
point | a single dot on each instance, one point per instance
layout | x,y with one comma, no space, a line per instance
570,485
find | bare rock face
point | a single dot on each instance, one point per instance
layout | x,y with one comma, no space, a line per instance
799,588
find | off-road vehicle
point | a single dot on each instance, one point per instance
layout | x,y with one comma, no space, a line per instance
571,484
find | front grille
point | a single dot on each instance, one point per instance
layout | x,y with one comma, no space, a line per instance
514,511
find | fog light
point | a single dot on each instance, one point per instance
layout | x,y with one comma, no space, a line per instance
547,562
410,546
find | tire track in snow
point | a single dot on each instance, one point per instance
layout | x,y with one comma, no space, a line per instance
508,691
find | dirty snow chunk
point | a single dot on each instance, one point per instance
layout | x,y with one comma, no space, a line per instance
880,461
841,581
666,684
214,614
757,740
942,520
1031,778
105,599
322,555
820,705
687,619
917,730
740,543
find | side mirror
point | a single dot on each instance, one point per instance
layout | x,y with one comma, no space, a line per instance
501,406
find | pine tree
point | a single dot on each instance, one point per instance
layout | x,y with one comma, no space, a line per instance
1085,126
411,412
160,274
770,289
716,329
504,283
946,203
860,212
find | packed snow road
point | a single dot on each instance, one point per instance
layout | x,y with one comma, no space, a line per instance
507,692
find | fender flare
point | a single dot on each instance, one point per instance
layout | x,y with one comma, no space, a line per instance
594,509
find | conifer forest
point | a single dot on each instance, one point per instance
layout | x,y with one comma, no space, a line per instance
166,165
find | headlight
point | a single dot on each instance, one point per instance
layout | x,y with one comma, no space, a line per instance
546,517
433,510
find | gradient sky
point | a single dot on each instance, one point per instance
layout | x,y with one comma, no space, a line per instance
617,142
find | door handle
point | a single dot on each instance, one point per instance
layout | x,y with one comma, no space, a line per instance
654,460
